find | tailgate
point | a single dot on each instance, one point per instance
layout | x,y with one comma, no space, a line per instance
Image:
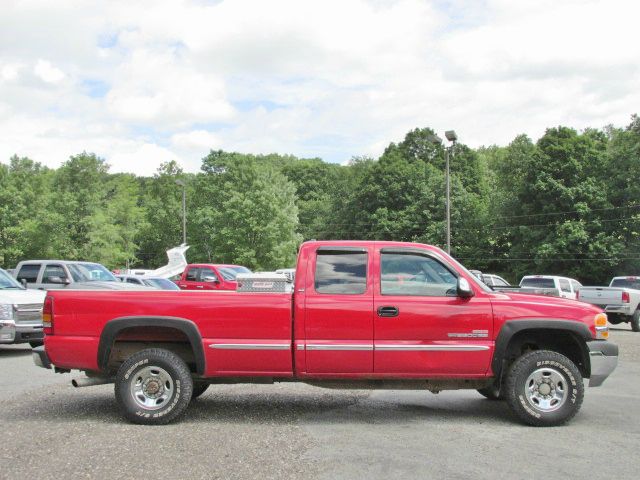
600,295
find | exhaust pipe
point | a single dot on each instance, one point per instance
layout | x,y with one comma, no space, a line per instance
90,381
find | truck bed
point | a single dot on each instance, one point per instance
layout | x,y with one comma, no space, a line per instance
224,319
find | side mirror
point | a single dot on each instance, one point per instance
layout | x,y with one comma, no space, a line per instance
464,289
211,279
23,282
56,279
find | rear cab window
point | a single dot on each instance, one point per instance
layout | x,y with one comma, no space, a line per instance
341,271
29,273
538,282
628,282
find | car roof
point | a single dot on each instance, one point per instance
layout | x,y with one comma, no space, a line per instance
26,262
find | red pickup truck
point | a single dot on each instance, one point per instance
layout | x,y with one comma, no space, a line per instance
207,276
362,315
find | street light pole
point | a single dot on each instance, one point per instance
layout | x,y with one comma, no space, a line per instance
184,210
452,137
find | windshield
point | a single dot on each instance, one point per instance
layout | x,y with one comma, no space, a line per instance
162,283
631,282
90,272
538,282
230,273
8,282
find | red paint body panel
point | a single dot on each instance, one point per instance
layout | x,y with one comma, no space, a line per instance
316,335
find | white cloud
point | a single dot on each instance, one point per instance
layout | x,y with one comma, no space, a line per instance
143,82
47,72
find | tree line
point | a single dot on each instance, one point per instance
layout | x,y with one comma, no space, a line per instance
567,204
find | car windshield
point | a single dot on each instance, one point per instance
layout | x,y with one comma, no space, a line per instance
537,282
90,272
161,283
8,282
230,273
632,282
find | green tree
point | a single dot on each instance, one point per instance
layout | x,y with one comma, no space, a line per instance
245,213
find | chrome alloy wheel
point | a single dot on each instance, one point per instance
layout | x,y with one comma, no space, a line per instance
151,388
546,389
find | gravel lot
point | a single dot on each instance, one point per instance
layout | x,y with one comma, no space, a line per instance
48,429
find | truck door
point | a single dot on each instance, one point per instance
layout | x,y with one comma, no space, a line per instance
421,325
339,311
209,279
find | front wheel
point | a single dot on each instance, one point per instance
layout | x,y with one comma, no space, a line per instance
635,321
544,388
153,387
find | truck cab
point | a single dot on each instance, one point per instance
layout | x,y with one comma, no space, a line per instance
566,287
207,276
56,274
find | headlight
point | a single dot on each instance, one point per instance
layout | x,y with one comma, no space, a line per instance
602,327
6,311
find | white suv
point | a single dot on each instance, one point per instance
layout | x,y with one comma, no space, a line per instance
567,287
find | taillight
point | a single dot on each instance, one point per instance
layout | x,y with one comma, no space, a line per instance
47,315
625,297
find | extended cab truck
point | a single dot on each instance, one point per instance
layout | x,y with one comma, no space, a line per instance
362,315
620,300
208,276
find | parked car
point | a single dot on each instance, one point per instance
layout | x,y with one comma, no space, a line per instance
20,312
362,315
206,276
54,274
490,279
153,282
566,287
620,300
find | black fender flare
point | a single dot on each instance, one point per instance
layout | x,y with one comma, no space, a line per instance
512,327
115,326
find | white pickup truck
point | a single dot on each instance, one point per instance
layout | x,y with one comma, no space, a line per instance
20,312
620,300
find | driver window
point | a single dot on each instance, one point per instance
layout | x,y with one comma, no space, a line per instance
207,272
52,271
414,274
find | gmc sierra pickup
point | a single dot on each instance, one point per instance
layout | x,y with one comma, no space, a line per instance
362,315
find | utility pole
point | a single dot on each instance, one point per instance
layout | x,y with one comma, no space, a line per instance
453,138
184,210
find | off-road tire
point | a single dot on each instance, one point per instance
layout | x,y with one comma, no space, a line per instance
492,392
198,389
179,377
515,388
635,321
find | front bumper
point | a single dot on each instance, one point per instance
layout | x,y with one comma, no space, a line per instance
7,331
603,356
29,333
40,357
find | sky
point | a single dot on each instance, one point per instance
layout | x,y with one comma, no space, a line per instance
144,82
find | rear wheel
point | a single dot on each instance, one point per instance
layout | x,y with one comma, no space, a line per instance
153,387
544,388
635,321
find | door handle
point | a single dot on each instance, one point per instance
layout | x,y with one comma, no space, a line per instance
388,311
199,286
